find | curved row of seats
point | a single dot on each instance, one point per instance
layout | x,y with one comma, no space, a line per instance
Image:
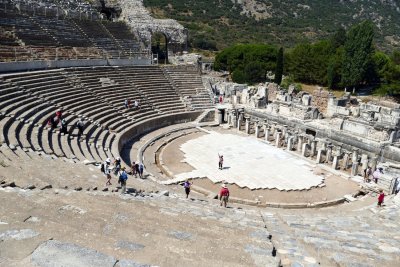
188,83
37,36
96,95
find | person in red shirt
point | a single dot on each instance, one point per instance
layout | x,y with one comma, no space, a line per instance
224,195
381,197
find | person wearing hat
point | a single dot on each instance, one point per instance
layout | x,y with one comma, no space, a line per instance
224,195
123,177
107,171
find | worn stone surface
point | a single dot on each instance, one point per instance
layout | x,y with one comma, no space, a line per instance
54,253
18,234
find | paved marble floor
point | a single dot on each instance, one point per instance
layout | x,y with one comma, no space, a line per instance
248,162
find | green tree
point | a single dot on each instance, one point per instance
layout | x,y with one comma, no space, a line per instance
279,66
358,51
254,72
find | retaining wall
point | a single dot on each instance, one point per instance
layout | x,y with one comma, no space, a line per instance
52,64
150,125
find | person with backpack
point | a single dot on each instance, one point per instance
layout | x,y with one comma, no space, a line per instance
64,125
141,168
123,177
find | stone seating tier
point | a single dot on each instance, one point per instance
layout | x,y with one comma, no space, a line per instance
30,99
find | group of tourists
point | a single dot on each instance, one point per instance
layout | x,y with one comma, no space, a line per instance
120,172
128,104
375,175
58,120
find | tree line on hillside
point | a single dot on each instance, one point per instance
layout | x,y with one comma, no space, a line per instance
345,60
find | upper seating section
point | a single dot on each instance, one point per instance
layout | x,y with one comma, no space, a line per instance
38,33
188,83
124,36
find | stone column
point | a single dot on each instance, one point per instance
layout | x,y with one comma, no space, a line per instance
304,150
319,155
290,143
328,154
335,162
229,116
284,130
345,162
354,157
277,139
313,148
234,121
354,163
219,116
364,161
257,129
299,143
267,131
273,130
247,125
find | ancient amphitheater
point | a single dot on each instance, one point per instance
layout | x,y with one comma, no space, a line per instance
293,162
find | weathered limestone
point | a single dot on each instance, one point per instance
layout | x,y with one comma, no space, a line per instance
299,143
364,161
247,126
234,121
329,154
277,139
257,129
290,143
219,116
345,162
374,162
267,132
313,150
304,150
319,155
335,162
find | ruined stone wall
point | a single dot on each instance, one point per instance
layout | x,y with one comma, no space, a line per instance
272,91
320,100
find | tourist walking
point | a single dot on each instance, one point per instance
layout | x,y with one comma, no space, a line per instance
398,186
64,125
117,165
126,103
141,168
377,174
123,177
107,171
133,168
187,185
381,197
224,195
80,124
220,161
137,169
367,174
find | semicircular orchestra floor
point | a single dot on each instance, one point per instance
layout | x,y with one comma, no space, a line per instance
253,169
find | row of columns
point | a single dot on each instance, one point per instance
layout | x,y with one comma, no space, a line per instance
307,145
